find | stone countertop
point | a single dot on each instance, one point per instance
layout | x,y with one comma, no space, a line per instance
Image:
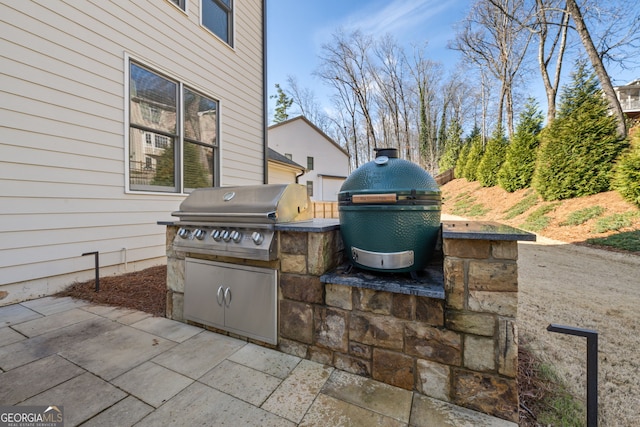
429,282
315,225
483,230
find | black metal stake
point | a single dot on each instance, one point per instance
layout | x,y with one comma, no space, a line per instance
592,367
97,267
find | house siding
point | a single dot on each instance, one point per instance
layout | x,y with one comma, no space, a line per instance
301,139
63,130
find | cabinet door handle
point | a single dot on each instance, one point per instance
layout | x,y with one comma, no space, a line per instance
220,297
227,296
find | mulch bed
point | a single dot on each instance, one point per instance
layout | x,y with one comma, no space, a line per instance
143,290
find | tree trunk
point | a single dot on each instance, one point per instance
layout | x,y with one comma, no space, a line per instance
598,66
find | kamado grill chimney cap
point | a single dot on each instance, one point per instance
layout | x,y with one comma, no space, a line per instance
391,153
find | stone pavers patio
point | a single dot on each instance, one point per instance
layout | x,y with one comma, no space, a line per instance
109,366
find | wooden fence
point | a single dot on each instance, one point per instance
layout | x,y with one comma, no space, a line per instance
325,209
445,177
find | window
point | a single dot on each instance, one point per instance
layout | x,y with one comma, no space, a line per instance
310,163
173,134
310,188
288,156
180,3
217,17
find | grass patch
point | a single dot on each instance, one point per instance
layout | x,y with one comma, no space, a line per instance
544,398
465,205
627,241
583,215
615,222
522,206
538,219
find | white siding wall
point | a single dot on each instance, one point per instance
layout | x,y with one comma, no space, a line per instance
279,174
300,139
62,131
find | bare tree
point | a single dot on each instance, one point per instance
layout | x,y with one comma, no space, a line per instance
345,61
598,65
308,104
493,41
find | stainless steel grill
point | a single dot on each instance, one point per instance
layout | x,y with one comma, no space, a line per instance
239,221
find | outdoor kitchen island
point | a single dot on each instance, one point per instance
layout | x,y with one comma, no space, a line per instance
452,337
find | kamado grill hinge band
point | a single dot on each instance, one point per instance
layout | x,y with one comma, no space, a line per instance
382,260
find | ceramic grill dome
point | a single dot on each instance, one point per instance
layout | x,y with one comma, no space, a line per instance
389,214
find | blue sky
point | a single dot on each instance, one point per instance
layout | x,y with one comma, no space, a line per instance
298,28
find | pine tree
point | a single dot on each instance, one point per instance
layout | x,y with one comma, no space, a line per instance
520,159
577,153
476,150
452,146
283,102
492,159
626,179
462,160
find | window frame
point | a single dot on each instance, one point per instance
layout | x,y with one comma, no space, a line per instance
180,138
310,162
229,10
180,4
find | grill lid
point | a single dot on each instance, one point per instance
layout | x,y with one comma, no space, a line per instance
267,203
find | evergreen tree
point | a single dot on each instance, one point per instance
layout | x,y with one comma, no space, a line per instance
452,146
520,159
577,153
626,179
492,159
473,158
462,160
283,102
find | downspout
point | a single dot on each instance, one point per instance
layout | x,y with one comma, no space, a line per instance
265,118
298,176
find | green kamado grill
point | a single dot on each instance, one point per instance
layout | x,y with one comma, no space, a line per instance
389,214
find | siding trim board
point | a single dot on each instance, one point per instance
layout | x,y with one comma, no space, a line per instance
64,130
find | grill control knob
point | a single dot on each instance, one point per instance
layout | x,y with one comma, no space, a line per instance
226,235
257,237
216,235
236,236
199,234
183,233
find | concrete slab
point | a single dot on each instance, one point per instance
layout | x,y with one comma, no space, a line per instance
369,394
292,399
197,355
242,382
26,351
263,359
199,404
51,305
126,412
329,411
100,310
16,313
9,336
113,353
28,380
82,397
432,412
151,383
126,316
167,328
43,325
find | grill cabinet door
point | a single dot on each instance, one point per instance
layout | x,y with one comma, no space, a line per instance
250,308
201,285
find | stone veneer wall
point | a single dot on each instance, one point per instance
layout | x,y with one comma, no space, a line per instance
462,349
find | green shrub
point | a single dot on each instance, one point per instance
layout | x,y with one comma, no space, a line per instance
520,157
615,222
583,215
492,159
452,146
470,171
577,151
626,178
538,219
522,206
462,161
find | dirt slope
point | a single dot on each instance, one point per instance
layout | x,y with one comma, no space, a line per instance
575,285
498,201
